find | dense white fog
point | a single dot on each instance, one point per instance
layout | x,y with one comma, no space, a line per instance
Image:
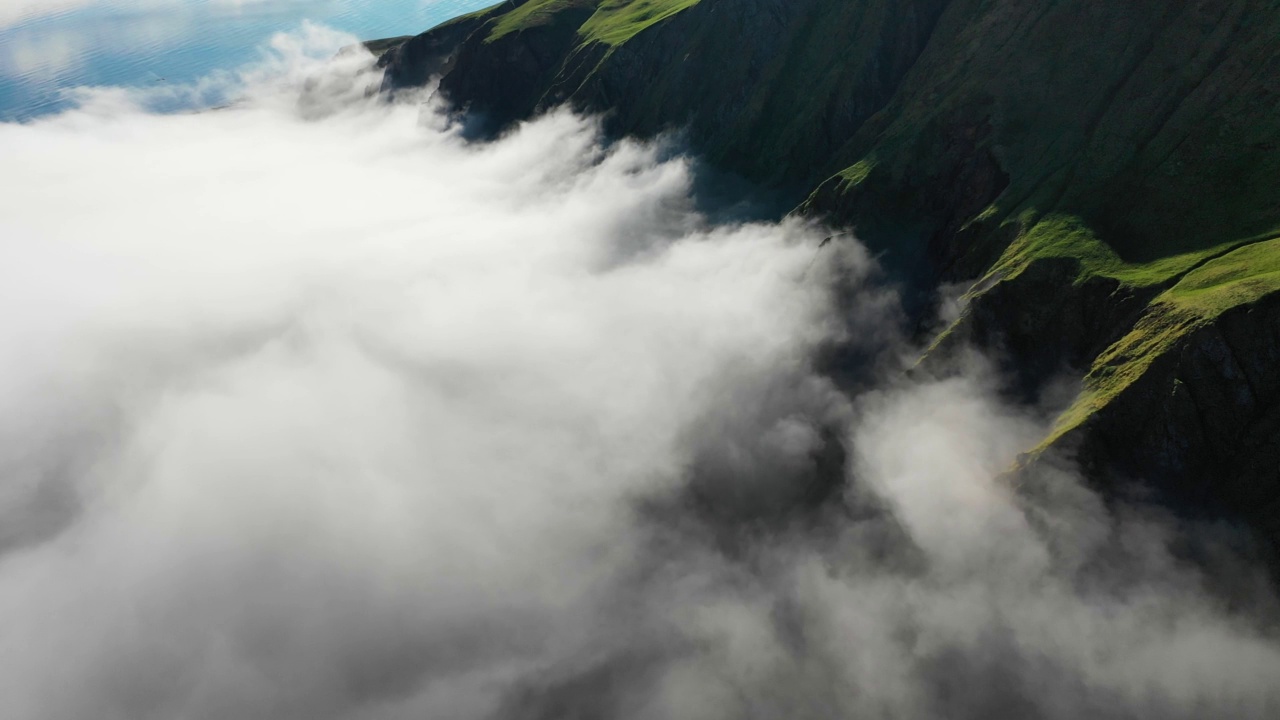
311,409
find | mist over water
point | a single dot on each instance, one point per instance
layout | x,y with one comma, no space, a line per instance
311,409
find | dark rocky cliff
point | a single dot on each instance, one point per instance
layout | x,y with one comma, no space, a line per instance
1106,174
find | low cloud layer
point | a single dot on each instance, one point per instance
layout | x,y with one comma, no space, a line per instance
313,410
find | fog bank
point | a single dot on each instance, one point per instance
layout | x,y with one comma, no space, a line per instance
311,409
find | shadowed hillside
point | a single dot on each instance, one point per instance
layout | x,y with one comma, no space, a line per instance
1106,175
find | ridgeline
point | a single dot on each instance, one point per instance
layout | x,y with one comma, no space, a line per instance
1104,175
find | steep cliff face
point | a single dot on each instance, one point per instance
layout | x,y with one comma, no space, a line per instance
1204,419
766,88
1106,174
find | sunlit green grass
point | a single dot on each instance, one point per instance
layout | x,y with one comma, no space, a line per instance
1237,277
617,21
612,23
533,14
1067,236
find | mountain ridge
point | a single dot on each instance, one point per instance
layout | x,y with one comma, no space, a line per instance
1105,177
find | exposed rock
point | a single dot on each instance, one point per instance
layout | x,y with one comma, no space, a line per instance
1204,421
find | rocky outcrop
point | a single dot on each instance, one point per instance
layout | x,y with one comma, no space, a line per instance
1009,320
1203,423
413,62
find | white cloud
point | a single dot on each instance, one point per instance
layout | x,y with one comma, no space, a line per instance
13,12
267,375
311,409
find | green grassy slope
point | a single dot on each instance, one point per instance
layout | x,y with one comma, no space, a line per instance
1141,142
613,21
1106,173
1154,121
530,14
769,96
1235,278
617,21
766,89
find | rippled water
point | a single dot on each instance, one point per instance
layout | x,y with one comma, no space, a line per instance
48,46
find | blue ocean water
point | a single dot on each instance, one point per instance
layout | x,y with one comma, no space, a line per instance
49,46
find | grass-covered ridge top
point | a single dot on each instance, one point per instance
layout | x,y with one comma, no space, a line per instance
613,22
617,21
1235,278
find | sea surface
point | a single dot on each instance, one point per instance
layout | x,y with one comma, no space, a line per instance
50,46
